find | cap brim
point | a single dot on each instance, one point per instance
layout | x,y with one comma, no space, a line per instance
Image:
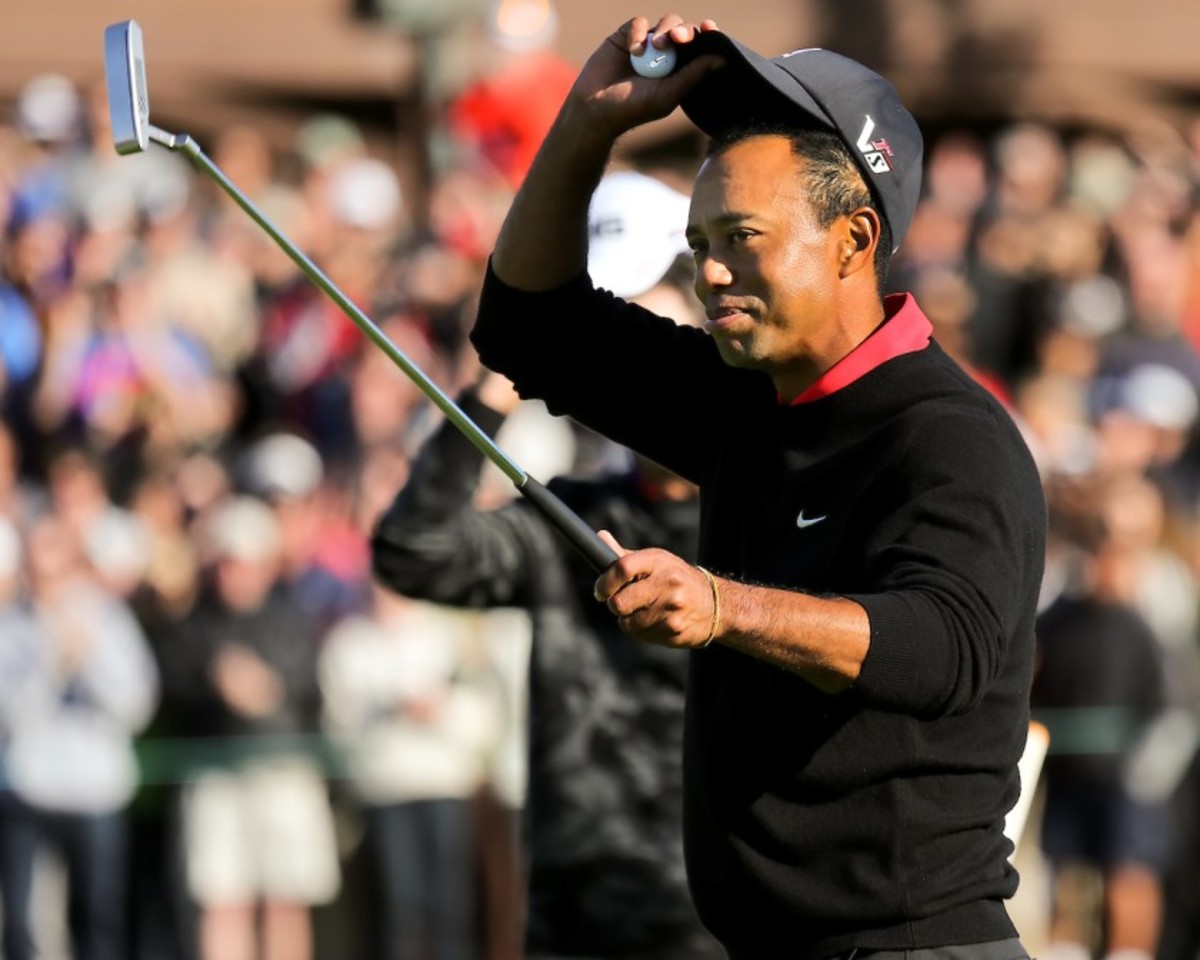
748,89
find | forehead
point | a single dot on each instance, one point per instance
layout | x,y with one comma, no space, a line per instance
753,176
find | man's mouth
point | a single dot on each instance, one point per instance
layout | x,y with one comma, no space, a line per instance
725,316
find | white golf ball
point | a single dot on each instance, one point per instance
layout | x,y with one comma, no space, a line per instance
653,62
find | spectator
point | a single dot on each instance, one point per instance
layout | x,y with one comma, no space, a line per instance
605,858
506,111
257,828
77,680
324,559
410,704
160,912
1098,658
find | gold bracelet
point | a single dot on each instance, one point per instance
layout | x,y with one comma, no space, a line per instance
716,614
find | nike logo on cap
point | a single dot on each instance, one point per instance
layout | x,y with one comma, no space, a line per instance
801,522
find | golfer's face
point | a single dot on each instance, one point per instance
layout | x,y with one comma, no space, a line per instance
765,271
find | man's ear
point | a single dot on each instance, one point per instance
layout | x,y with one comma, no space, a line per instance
859,238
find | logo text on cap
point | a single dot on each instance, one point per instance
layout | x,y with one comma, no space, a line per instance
876,152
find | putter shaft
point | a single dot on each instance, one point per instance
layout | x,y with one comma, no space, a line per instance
186,145
129,113
582,536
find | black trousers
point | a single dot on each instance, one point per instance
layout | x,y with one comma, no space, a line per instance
993,950
93,848
1010,949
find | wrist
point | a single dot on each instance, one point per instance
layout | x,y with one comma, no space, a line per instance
714,627
586,129
544,240
497,393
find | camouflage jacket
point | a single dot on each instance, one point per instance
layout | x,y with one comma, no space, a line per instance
603,824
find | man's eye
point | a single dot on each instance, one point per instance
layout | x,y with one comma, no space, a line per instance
740,236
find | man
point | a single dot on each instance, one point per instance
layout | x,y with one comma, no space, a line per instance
259,851
604,841
77,682
858,687
1105,818
414,712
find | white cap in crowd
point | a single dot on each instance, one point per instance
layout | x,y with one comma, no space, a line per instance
1159,395
245,528
365,193
281,465
116,543
49,109
636,229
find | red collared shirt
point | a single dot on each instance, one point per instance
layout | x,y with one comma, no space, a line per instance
905,329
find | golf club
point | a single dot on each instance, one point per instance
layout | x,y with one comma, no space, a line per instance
129,113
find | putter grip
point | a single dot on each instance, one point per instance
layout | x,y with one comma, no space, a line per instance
583,538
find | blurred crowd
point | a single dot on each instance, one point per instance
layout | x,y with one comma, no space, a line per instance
216,731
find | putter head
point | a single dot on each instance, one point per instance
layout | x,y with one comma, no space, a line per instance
125,77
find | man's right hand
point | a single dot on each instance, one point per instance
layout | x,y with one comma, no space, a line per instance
612,98
497,392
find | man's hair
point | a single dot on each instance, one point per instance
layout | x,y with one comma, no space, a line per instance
836,186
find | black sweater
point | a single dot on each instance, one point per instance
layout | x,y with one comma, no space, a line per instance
873,818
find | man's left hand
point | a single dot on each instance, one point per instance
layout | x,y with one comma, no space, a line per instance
657,596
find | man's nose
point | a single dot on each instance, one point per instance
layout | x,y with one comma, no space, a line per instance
713,273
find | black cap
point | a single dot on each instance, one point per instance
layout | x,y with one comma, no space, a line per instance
854,101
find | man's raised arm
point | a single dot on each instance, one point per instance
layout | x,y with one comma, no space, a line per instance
543,242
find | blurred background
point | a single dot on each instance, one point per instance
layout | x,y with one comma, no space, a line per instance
189,427
385,63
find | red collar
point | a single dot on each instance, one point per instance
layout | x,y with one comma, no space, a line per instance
905,329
